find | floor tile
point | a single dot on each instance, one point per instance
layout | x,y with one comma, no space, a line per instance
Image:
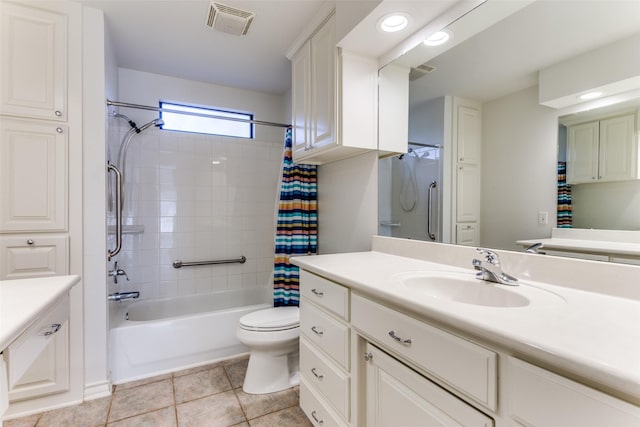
291,417
91,413
143,381
28,421
256,405
236,371
161,418
141,399
219,410
201,384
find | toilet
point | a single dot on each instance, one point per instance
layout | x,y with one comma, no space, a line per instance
272,336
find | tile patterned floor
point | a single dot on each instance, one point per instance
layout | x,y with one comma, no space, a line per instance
207,396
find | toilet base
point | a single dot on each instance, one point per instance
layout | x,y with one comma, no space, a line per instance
269,373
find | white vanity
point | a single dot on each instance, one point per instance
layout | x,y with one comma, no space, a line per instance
32,313
386,340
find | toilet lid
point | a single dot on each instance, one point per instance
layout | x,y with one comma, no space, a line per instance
278,318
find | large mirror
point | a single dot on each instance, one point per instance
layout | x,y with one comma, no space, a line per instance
522,142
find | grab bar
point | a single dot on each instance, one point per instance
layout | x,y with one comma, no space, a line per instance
432,187
179,264
116,171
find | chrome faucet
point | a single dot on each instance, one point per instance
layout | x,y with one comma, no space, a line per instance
535,248
489,268
117,272
119,296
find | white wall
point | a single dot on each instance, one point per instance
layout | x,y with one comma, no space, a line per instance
348,204
519,172
606,205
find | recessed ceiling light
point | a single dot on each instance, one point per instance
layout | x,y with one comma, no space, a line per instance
438,38
393,22
590,95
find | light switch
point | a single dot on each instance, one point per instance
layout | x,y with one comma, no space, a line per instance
543,218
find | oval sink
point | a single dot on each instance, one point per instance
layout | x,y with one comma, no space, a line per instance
466,289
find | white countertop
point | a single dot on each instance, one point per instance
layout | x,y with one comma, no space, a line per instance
23,301
593,338
610,242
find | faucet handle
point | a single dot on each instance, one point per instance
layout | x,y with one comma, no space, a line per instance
490,256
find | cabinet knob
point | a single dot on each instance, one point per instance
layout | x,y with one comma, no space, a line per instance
30,242
59,130
368,356
462,159
58,113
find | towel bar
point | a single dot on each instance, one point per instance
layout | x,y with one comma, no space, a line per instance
179,264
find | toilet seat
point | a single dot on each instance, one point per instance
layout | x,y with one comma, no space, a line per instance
271,319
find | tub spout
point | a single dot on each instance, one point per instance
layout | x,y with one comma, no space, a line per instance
119,296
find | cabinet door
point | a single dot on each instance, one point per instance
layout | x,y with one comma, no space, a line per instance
398,396
468,193
468,134
467,234
37,255
33,176
33,58
301,96
618,159
582,153
323,85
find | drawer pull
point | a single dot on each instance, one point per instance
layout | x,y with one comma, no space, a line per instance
313,414
393,335
55,327
317,375
317,331
317,292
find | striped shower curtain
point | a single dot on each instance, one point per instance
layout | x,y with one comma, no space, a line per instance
565,213
297,225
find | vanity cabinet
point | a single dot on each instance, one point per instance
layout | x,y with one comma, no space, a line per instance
34,62
325,380
603,150
334,96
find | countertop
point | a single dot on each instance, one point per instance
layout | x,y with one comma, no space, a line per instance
23,301
590,337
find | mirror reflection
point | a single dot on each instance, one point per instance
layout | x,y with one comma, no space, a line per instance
509,92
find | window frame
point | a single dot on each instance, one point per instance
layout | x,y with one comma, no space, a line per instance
206,110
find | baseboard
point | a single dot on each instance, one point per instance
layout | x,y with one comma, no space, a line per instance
97,390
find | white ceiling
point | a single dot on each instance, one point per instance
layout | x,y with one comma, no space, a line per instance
507,56
169,37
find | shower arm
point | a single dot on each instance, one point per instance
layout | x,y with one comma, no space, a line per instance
116,250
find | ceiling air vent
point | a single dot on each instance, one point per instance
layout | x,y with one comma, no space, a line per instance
229,19
419,71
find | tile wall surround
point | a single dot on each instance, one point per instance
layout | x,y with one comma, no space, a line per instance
199,197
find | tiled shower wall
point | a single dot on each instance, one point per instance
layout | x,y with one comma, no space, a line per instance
199,197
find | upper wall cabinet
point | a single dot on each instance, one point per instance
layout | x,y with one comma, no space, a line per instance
34,52
334,100
603,150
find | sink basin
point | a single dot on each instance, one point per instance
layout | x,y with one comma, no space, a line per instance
466,289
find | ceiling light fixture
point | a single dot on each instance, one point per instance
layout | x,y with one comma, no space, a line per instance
590,95
438,38
393,22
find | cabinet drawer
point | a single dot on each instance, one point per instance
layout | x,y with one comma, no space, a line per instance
330,380
326,332
469,368
549,399
325,293
315,409
33,256
25,350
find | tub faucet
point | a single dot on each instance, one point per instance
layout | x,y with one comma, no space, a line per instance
489,268
119,296
117,272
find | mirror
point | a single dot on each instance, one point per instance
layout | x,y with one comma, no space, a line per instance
494,62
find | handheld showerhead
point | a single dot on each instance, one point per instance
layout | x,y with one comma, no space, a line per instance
155,122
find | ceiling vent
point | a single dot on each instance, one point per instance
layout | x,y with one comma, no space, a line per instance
419,71
229,19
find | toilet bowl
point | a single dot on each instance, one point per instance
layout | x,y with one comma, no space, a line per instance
272,336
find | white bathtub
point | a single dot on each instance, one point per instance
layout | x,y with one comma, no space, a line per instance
151,337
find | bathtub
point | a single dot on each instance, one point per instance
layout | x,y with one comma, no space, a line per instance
152,337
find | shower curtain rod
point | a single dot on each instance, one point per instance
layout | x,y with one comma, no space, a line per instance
211,116
425,145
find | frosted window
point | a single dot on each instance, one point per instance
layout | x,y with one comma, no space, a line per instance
200,124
